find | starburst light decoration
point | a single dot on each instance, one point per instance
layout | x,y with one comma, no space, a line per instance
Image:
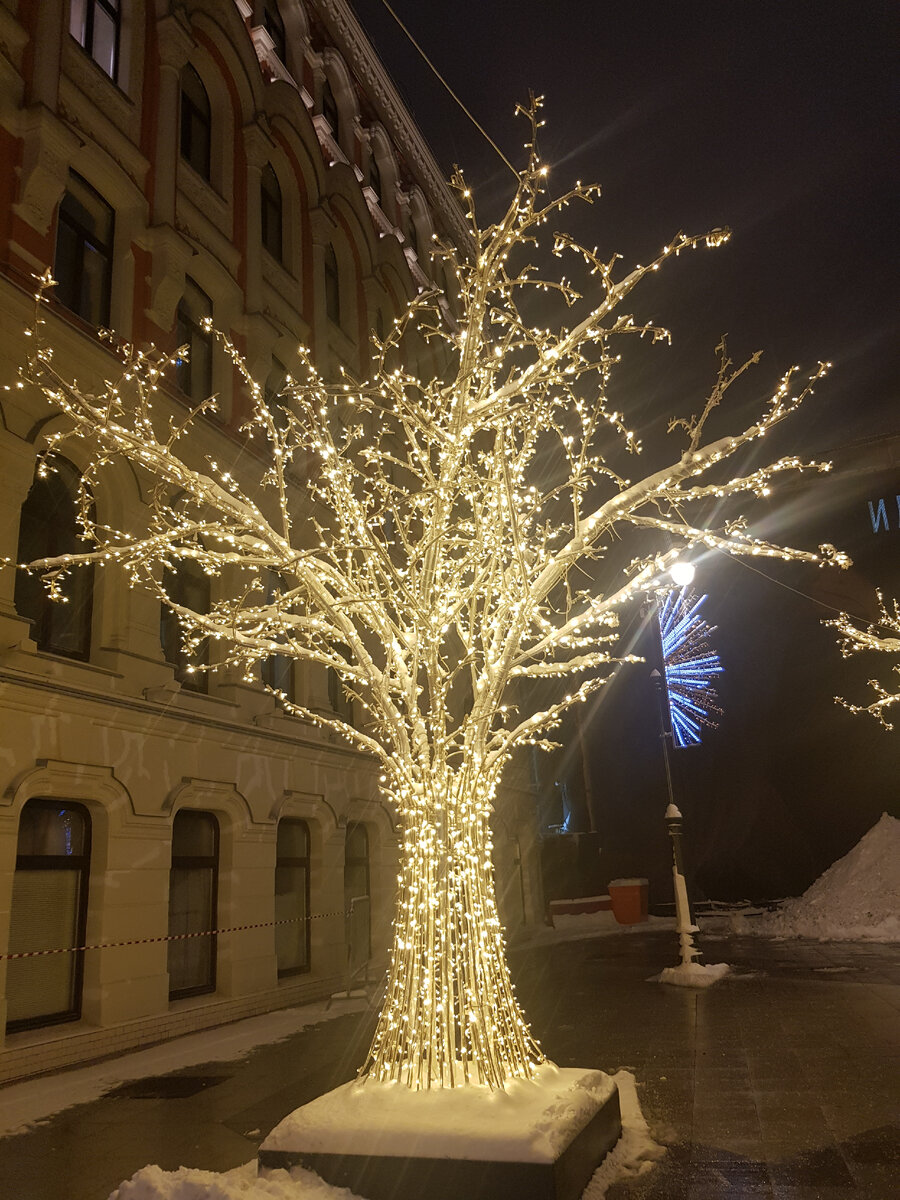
690,665
440,543
882,636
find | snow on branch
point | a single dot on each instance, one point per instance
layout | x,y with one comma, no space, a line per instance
882,636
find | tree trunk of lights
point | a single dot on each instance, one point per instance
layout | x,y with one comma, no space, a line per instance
450,1015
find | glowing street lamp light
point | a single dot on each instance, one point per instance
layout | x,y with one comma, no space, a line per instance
684,705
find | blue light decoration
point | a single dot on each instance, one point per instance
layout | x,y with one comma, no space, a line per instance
689,663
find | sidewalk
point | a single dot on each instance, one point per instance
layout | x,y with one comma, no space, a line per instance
779,1082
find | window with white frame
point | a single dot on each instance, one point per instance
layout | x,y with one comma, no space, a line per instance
48,913
96,26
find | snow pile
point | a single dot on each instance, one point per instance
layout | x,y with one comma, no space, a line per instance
531,1121
153,1183
858,897
693,974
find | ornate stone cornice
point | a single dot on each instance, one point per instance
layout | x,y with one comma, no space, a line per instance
360,56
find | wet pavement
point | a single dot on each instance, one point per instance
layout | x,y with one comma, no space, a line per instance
781,1081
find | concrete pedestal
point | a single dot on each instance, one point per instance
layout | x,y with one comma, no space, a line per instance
537,1141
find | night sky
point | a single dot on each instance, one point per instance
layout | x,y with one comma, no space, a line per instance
778,120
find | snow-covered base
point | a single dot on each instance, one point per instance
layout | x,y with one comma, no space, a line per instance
531,1121
634,1154
693,974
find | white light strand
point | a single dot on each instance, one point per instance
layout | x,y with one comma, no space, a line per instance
436,562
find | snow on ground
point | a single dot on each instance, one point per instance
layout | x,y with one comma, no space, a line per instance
856,899
25,1104
634,1154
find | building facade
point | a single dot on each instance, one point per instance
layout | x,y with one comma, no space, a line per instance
186,850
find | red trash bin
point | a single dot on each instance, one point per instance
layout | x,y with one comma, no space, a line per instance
629,900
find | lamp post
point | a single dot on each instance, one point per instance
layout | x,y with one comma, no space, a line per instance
682,574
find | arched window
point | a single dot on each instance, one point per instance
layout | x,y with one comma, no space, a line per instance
82,264
49,912
413,234
330,110
196,122
189,587
95,25
193,885
193,374
274,27
271,212
292,898
332,286
49,527
357,899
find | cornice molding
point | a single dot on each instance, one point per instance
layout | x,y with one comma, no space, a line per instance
351,40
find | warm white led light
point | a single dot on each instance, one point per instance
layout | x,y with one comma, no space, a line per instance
438,540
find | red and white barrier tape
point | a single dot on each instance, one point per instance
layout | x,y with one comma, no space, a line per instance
172,937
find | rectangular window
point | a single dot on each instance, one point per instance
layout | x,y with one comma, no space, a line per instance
82,265
196,122
189,586
193,882
48,912
292,898
193,373
94,24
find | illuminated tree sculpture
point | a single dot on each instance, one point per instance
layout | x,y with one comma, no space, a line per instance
884,636
442,557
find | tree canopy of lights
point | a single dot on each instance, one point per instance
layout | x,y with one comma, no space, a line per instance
882,636
438,542
690,664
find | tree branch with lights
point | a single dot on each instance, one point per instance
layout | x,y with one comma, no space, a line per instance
443,544
882,636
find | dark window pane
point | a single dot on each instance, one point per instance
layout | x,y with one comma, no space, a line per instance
192,903
332,286
292,897
82,264
193,374
275,28
271,213
330,108
196,122
293,839
52,830
193,834
189,586
278,673
374,175
49,527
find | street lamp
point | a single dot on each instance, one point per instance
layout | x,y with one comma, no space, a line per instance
684,700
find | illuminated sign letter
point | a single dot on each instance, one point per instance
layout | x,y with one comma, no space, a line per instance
878,515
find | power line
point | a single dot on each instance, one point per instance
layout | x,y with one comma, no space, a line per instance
428,61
